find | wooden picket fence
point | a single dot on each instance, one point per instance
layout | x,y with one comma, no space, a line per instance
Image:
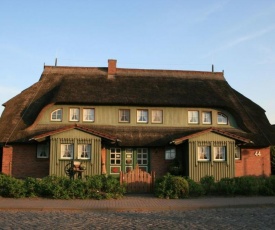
138,181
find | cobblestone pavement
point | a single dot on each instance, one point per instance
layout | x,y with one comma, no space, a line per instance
256,217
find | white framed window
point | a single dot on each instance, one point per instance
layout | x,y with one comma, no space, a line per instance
56,115
237,153
115,157
115,160
89,115
193,117
219,153
67,151
124,115
84,151
206,117
142,156
43,150
204,153
157,116
74,114
142,116
222,119
170,153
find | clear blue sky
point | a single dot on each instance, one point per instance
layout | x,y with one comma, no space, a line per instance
237,36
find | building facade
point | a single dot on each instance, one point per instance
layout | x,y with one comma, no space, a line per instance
110,119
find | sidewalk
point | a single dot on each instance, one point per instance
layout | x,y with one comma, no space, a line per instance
133,203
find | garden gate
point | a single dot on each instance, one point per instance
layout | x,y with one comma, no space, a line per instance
138,181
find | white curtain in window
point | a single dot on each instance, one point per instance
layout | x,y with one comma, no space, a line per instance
204,152
219,153
67,151
88,114
74,113
84,151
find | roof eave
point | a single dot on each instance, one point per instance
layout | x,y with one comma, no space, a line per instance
179,141
43,136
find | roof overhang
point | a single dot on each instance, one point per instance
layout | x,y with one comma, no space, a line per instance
102,135
214,130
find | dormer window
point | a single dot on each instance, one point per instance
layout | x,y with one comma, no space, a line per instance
142,116
74,114
222,119
206,117
193,117
56,115
124,115
89,115
157,116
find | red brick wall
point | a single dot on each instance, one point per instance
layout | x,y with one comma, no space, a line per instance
7,160
253,165
158,162
26,164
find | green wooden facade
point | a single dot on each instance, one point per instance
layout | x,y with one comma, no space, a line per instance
219,169
109,115
75,137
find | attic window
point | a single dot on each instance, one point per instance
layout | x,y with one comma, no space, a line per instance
193,117
142,116
74,114
157,116
206,118
56,115
124,115
89,115
222,119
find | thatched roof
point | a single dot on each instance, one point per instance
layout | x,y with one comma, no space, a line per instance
135,87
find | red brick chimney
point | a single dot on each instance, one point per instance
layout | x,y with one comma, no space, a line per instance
111,67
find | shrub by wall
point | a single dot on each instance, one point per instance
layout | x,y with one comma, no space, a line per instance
208,185
94,187
170,186
195,189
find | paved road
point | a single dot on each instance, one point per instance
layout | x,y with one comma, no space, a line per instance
148,213
216,218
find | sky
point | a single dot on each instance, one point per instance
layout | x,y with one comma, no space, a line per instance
236,36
